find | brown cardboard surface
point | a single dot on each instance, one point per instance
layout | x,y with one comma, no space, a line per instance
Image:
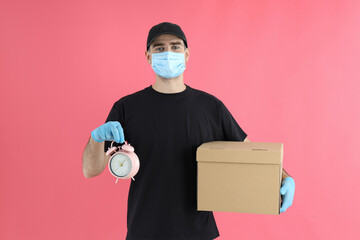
238,176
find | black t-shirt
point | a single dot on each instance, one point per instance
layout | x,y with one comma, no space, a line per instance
165,130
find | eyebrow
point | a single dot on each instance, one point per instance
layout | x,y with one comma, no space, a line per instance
162,44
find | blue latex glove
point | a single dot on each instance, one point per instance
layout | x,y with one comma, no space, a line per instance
287,191
110,131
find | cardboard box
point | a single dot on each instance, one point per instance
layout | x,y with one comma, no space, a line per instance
240,177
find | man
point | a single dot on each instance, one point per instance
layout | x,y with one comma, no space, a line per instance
165,123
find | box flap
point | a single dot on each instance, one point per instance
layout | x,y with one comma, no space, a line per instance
240,152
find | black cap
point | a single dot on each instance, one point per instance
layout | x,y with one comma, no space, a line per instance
162,28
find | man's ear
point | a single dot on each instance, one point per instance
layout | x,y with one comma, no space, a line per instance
147,55
187,54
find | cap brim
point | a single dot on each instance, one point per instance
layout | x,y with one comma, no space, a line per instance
152,40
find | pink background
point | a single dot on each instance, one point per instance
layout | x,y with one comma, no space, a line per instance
288,71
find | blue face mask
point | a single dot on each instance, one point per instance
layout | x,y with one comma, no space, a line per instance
168,64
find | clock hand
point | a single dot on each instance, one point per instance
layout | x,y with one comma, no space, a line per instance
121,164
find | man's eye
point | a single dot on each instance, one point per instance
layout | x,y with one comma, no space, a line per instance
158,48
176,46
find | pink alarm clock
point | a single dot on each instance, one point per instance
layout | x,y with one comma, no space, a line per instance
124,163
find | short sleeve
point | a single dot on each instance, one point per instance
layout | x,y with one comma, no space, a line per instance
116,114
230,128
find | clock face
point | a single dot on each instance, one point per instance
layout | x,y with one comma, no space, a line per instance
120,165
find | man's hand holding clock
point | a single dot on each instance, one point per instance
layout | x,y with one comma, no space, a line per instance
110,131
124,163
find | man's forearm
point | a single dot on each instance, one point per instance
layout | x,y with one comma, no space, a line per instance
93,158
284,174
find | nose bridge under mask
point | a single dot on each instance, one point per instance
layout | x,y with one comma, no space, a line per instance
166,55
